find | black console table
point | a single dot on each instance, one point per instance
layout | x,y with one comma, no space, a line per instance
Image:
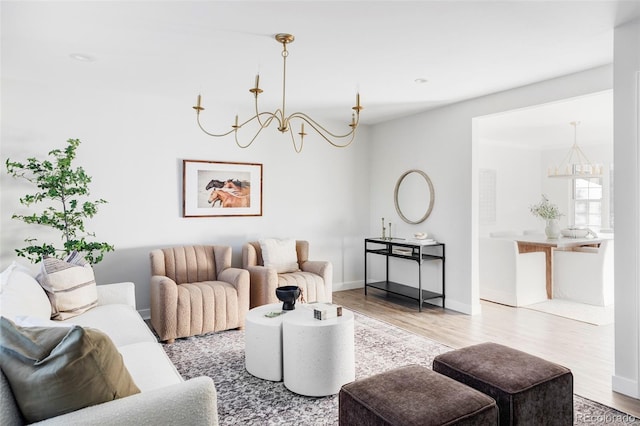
409,250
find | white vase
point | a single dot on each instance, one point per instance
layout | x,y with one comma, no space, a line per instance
552,230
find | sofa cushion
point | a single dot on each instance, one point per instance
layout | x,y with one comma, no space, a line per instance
57,370
149,365
280,254
121,323
70,285
20,294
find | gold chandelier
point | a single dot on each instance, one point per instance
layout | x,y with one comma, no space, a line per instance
575,164
264,119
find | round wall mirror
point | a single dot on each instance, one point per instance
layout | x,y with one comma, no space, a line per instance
414,196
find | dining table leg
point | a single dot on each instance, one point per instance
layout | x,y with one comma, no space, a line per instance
529,248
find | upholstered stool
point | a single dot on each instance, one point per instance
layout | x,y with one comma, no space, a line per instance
413,395
528,389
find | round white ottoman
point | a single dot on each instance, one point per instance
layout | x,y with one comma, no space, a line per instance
263,342
318,355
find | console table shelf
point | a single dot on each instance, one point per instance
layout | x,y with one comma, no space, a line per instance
408,250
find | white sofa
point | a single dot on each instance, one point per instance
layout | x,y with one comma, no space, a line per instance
165,398
509,277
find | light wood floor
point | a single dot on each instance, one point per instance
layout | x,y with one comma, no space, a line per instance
584,348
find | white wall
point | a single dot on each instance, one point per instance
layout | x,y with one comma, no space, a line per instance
518,185
133,147
626,89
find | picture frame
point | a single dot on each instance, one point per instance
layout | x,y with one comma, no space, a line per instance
220,189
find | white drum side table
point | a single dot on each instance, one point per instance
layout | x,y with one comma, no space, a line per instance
318,355
263,342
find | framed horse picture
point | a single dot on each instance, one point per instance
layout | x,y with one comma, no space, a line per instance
216,188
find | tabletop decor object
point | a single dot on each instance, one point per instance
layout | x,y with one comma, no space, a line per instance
550,213
288,295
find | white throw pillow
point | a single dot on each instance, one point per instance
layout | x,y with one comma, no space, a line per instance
21,295
27,321
70,285
280,254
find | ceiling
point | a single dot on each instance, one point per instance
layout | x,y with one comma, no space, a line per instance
548,126
178,49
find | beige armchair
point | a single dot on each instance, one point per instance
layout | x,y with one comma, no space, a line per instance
315,278
194,290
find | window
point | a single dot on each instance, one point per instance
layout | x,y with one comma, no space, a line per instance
587,202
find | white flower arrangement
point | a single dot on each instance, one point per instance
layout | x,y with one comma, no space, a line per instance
545,210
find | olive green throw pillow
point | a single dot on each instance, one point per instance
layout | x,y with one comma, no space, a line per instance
56,370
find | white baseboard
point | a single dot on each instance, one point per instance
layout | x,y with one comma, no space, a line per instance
459,307
625,386
348,285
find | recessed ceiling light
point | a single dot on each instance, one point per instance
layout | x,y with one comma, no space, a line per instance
82,57
420,80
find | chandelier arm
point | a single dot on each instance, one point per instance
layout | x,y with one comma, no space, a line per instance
254,136
325,133
209,133
319,128
256,117
293,141
271,114
582,157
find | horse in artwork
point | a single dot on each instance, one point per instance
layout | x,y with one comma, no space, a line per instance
215,183
228,199
240,188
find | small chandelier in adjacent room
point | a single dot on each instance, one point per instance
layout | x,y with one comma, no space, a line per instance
264,118
575,164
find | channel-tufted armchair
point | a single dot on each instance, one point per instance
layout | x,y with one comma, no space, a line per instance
314,277
194,290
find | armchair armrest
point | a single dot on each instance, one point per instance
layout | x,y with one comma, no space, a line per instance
325,270
117,293
239,278
190,402
318,267
263,285
164,305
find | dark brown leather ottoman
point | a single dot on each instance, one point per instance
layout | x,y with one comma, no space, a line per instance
528,389
413,395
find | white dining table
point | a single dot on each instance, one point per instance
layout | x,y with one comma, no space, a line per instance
533,243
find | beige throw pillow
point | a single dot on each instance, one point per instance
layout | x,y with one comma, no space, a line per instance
70,285
53,371
280,254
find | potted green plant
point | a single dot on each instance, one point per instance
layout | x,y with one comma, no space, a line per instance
61,188
550,213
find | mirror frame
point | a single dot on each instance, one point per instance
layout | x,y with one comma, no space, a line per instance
431,196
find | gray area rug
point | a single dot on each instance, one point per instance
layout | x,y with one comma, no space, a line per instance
247,400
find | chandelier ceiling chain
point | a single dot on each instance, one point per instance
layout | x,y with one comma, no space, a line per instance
575,164
264,119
